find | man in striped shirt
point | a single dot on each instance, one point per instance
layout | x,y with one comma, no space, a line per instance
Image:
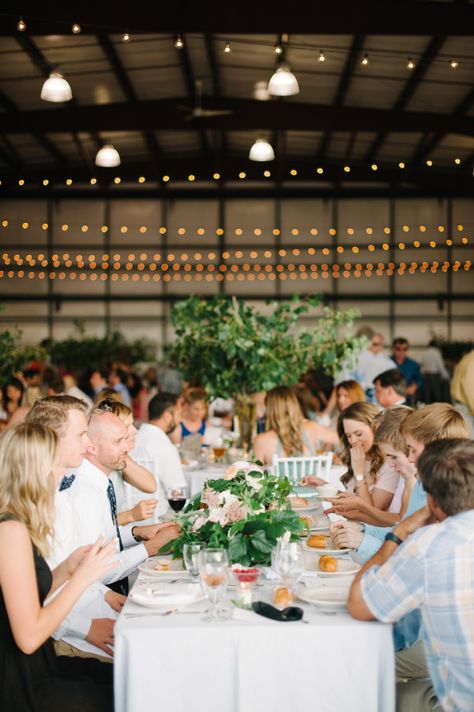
427,563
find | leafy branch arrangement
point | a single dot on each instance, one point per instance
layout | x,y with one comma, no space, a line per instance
230,348
245,513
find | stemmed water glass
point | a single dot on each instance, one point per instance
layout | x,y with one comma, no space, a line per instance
191,557
213,565
288,561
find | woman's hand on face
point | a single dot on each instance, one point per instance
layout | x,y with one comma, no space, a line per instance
96,562
357,459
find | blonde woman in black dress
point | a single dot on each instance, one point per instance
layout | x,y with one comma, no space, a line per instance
32,678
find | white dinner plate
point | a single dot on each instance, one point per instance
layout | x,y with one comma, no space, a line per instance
328,551
346,567
327,598
167,595
306,509
175,566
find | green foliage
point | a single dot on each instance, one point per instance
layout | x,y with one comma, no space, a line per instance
230,348
79,351
14,356
263,515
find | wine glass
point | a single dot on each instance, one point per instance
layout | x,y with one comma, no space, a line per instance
213,567
289,562
176,497
191,553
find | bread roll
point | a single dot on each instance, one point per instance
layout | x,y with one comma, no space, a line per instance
298,502
282,597
327,563
306,521
317,541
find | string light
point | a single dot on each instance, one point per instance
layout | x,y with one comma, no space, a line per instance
429,163
69,181
93,181
278,49
374,167
401,165
410,63
165,179
320,170
227,48
21,25
216,176
126,37
454,64
178,43
45,181
321,57
76,28
141,179
457,161
365,60
347,169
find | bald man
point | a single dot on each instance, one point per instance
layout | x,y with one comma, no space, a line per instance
93,503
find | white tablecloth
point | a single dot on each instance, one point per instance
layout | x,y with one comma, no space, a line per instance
184,664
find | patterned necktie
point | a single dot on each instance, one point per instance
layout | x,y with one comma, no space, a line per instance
113,510
66,482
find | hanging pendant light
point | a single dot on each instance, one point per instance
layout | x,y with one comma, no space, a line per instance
283,82
56,89
107,157
262,151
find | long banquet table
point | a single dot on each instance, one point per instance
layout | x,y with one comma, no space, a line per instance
249,663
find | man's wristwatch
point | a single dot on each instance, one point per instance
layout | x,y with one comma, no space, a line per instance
137,539
393,537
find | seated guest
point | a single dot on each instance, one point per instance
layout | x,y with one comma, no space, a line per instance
392,444
430,569
390,388
133,474
99,380
347,393
108,394
194,413
88,629
72,389
32,676
288,434
154,448
94,504
409,367
365,474
13,396
118,381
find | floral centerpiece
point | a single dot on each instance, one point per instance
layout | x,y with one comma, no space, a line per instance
245,512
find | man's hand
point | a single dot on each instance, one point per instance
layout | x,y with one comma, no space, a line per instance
312,481
167,532
101,634
115,600
418,519
148,531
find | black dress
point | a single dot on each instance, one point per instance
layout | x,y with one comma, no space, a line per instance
43,681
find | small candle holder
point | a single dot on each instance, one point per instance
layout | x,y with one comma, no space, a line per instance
246,579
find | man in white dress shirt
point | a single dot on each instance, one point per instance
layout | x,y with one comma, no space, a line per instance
88,629
391,388
154,448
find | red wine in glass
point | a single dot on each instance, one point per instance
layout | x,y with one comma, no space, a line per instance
176,503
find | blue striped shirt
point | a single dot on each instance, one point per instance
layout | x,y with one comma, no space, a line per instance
433,571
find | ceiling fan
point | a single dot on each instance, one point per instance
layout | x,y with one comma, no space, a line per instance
200,112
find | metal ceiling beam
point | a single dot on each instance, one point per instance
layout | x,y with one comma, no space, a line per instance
216,87
190,82
428,143
343,87
408,90
129,92
248,114
340,17
45,68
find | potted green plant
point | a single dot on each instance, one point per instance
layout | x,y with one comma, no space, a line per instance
235,351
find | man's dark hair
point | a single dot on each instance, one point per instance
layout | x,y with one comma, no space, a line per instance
104,372
121,374
400,341
160,403
446,471
395,378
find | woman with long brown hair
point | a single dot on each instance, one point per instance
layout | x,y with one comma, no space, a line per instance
287,433
32,678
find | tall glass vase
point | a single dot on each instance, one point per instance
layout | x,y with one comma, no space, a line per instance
246,412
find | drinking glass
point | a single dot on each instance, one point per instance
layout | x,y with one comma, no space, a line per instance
213,567
191,556
289,562
176,497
